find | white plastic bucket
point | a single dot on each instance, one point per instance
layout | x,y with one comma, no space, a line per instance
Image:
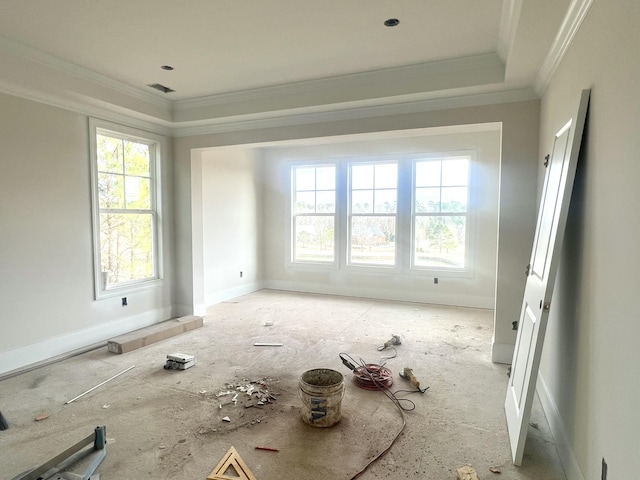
321,392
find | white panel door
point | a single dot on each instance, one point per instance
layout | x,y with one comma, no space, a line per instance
541,273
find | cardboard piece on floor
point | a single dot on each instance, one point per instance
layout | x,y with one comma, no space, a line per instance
231,467
154,333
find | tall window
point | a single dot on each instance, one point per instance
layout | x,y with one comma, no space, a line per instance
440,212
372,211
126,220
314,214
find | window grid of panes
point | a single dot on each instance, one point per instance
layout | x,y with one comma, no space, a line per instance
127,216
314,214
440,211
373,209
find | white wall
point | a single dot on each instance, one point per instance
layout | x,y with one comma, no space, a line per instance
589,381
517,203
46,253
232,216
478,290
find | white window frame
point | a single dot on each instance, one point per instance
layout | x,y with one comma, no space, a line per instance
158,148
292,217
467,270
350,214
404,253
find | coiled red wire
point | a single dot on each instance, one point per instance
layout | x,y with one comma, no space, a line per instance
372,377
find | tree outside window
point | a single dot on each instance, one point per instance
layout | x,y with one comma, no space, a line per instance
373,208
125,179
440,212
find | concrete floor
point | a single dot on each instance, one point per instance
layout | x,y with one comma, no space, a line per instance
167,424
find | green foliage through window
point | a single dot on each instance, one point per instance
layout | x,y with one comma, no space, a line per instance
126,200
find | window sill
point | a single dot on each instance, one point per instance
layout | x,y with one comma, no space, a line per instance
119,290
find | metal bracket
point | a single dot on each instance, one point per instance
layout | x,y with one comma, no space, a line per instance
72,455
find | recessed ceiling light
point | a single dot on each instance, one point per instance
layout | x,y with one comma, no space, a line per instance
166,67
391,22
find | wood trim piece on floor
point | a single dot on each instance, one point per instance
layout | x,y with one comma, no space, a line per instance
567,457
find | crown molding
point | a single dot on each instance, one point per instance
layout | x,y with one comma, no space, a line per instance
393,91
69,68
576,13
508,27
83,107
287,119
381,76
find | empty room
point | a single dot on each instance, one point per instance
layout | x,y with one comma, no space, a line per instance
328,240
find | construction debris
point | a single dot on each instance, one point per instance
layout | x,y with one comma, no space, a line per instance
40,417
261,344
179,361
257,391
268,449
495,470
467,472
99,385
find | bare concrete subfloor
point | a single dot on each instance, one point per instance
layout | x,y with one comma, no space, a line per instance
167,424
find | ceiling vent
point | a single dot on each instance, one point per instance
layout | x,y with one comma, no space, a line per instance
162,88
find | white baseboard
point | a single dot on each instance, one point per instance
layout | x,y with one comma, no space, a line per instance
200,309
502,352
383,294
211,298
567,457
66,344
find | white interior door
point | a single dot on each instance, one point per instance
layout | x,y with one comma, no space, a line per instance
541,273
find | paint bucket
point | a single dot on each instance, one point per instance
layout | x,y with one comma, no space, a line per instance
321,392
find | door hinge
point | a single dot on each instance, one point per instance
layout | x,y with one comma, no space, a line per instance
514,325
546,160
527,269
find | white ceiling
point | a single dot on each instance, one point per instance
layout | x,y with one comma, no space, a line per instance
234,59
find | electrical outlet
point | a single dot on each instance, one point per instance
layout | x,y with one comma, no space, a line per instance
124,301
435,280
240,273
603,476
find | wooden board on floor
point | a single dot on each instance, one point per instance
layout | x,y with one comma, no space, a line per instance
154,333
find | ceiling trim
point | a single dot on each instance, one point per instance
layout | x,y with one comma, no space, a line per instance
576,14
386,75
399,108
83,107
36,56
508,27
